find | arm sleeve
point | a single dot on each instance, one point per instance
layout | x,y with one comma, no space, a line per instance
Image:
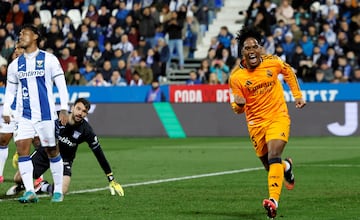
100,156
94,144
11,88
235,90
60,82
291,79
63,93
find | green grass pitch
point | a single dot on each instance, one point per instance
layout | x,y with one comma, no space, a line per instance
201,178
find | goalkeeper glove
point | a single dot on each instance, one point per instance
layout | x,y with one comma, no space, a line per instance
114,186
15,160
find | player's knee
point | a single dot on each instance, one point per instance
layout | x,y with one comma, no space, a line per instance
52,151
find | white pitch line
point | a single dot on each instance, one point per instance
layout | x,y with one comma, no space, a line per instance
171,179
195,177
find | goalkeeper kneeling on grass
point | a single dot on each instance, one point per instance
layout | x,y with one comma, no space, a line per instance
76,131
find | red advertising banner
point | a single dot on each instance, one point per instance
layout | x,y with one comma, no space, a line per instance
198,93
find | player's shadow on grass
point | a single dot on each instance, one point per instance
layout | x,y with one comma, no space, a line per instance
226,215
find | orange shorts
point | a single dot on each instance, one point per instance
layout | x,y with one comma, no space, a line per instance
278,129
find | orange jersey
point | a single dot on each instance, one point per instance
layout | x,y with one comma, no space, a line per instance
262,90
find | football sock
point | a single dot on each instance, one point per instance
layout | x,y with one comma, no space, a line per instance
57,170
275,178
286,165
26,169
4,152
46,187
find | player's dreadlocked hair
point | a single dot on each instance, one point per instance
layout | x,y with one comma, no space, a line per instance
247,32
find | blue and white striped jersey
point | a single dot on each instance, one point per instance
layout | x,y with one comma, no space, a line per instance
34,75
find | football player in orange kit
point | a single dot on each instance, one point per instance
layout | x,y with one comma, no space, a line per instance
256,90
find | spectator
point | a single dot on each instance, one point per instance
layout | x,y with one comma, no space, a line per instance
3,75
16,16
339,77
147,26
118,55
289,46
53,34
90,47
224,37
76,51
103,18
153,61
155,94
95,33
136,80
59,15
143,46
88,71
145,72
344,66
327,71
234,48
203,19
323,45
96,58
164,56
107,70
68,26
356,76
109,30
193,78
285,12
190,36
227,58
122,12
134,58
121,67
269,45
307,45
116,79
30,14
66,58
165,14
41,28
279,51
70,71
204,71
8,48
92,13
107,53
77,80
129,23
213,79
124,45
328,33
221,69
133,36
174,29
98,80
295,61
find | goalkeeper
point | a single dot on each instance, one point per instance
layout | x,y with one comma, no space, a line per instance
76,131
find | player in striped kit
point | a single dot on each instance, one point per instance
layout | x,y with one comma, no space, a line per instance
31,77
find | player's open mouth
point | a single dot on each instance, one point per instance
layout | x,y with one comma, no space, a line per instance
253,59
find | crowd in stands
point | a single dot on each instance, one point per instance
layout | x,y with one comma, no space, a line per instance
110,42
319,39
133,42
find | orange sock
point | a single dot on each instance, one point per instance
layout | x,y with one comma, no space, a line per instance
275,180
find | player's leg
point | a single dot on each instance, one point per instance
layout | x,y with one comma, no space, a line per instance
276,138
6,133
4,152
26,170
46,131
